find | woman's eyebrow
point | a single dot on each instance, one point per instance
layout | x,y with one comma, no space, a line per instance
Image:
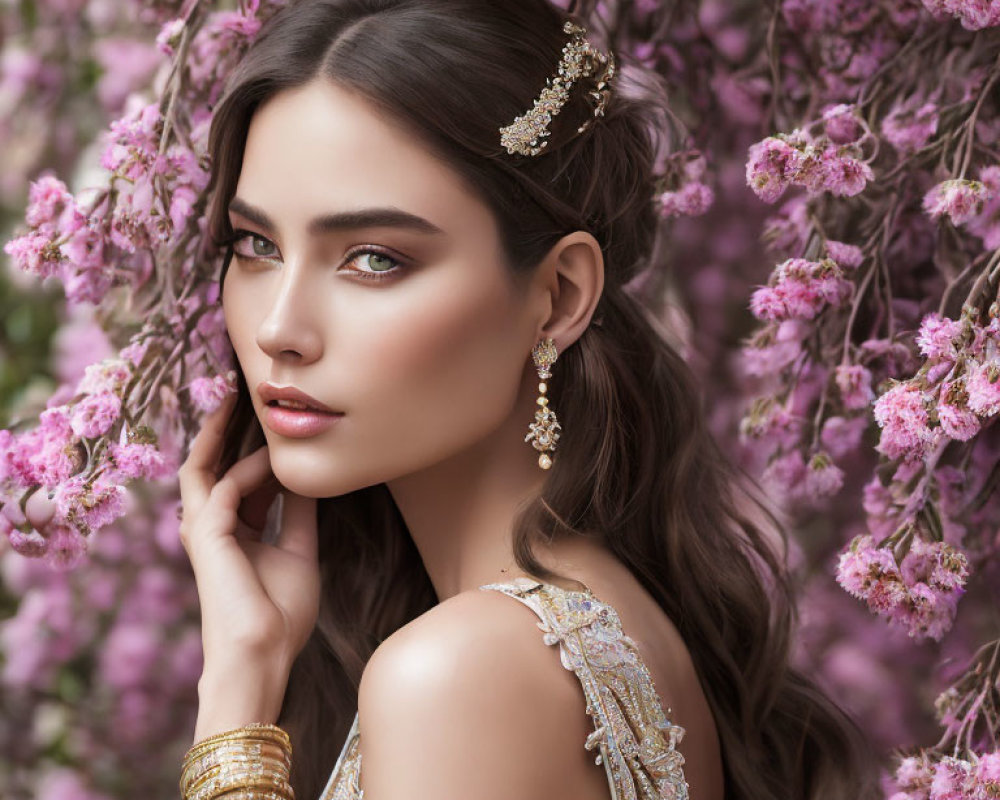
344,220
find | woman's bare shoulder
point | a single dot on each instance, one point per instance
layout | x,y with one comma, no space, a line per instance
468,701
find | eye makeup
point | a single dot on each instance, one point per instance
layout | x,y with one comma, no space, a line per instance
242,234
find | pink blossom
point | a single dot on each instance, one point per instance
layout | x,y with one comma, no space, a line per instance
800,297
46,198
938,336
34,253
950,779
973,14
773,422
902,414
693,199
957,422
959,200
66,547
914,775
95,414
983,387
208,393
135,352
767,168
785,474
767,303
841,125
110,375
46,455
138,460
986,224
847,256
987,774
921,594
855,384
91,505
801,289
845,176
939,565
169,37
823,477
862,567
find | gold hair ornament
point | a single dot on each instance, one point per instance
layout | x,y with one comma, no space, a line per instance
580,59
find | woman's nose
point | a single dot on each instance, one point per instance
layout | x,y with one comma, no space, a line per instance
288,329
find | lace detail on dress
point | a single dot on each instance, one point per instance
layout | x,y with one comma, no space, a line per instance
636,741
344,783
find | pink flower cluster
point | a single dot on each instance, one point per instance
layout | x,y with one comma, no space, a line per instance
691,197
208,393
130,614
691,200
144,176
972,203
952,398
973,14
923,777
51,501
823,165
63,240
920,593
801,289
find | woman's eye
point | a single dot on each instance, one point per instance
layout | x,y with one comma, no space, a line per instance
254,246
375,265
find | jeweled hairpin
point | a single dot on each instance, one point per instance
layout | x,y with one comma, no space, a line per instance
580,59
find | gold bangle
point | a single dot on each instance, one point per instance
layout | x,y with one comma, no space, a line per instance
255,730
238,769
226,751
195,758
213,792
233,759
255,794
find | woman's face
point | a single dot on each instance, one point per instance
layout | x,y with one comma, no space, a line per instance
373,280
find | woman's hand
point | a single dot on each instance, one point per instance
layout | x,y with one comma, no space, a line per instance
259,601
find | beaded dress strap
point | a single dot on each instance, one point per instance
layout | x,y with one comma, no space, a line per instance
344,781
636,740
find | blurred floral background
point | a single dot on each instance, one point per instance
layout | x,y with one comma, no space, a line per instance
830,194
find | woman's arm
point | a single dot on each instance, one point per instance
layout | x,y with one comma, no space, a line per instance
259,603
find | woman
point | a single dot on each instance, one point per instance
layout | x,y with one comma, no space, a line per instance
437,271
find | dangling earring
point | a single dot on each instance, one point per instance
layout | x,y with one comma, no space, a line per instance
543,432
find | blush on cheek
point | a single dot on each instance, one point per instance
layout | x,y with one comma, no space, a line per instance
440,379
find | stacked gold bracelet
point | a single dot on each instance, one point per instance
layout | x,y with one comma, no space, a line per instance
248,763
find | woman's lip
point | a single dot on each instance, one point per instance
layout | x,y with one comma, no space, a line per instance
298,424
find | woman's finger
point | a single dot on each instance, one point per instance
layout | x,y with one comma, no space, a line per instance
298,533
254,509
197,474
249,473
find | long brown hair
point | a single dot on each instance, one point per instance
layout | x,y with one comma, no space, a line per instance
637,467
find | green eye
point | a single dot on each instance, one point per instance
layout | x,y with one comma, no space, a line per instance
379,262
260,242
374,265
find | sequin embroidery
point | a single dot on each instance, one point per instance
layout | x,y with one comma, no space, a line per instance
636,742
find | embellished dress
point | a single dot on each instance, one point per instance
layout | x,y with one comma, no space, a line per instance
635,740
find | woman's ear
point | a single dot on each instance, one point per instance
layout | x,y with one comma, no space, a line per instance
571,279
